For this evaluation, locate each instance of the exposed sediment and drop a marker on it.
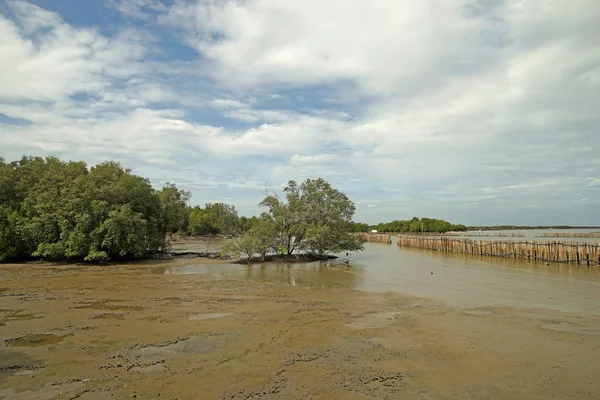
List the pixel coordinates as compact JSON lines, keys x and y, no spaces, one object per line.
{"x":128,"y":332}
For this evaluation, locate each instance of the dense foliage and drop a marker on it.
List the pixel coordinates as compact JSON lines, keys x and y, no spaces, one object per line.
{"x":63,"y":210}
{"x":417,"y":225}
{"x":214,"y":218}
{"x":315,"y":219}
{"x":360,"y":227}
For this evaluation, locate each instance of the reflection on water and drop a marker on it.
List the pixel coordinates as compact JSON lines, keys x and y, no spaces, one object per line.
{"x":452,"y":278}
{"x":313,"y":275}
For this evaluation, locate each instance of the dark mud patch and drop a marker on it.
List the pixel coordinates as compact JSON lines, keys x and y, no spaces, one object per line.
{"x":272,"y":390}
{"x":369,"y":382}
{"x":106,"y":305}
{"x":108,"y":316}
{"x":34,"y":340}
{"x":149,"y":358}
{"x":17,"y":363}
{"x":18,"y":316}
{"x":155,"y":318}
{"x":304,"y":357}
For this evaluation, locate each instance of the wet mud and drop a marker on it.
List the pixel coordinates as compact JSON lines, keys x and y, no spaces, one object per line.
{"x":126,"y":332}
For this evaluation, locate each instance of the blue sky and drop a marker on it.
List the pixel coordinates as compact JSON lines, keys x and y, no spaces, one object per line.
{"x":474,"y":111}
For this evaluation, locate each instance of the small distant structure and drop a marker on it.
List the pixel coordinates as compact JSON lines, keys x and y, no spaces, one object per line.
{"x":374,"y":231}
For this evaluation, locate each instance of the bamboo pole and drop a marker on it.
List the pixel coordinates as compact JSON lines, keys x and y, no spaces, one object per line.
{"x":554,"y":251}
{"x":376,"y":237}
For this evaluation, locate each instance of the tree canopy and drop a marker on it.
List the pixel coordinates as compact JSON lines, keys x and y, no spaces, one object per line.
{"x":63,"y":210}
{"x":314,"y":218}
{"x":418,"y":225}
{"x":215,"y":218}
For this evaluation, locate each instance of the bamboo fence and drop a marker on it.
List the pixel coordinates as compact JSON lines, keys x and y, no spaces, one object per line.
{"x":551,"y":251}
{"x":376,"y":237}
{"x":575,"y":235}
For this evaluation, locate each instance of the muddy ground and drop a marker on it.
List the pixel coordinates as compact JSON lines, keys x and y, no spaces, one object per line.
{"x":120,"y":332}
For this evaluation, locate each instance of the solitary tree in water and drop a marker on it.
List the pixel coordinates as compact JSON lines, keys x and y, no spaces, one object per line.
{"x":315,"y":218}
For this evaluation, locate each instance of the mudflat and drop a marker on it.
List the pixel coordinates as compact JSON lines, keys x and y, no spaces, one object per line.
{"x":91,"y":332}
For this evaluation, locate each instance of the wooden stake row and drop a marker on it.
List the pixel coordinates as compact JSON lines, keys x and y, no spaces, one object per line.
{"x":376,"y":237}
{"x":554,"y":251}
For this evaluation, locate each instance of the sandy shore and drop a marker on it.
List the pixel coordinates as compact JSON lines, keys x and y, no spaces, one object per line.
{"x":125,"y":332}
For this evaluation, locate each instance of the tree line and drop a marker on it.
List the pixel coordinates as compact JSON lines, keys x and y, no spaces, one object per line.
{"x":414,"y":225}
{"x":527,"y":227}
{"x":66,"y":211}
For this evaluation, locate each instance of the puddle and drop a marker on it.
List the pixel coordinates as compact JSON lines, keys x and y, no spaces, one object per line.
{"x":199,"y":317}
{"x":161,"y":352}
{"x":17,"y":363}
{"x":105,"y":305}
{"x":477,"y":313}
{"x":34,"y":340}
{"x":154,"y":318}
{"x":108,"y":316}
{"x":376,"y":320}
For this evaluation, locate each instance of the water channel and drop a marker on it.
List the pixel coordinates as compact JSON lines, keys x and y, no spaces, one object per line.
{"x":454,"y":279}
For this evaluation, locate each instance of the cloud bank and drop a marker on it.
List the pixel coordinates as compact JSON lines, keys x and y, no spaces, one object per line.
{"x":478,"y":111}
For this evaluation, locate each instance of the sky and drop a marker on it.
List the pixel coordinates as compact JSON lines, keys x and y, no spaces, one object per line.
{"x":475,"y":111}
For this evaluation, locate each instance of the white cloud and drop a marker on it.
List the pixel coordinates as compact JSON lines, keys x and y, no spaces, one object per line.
{"x":316,"y":41}
{"x":471,"y":109}
{"x":32,"y":18}
{"x":227,"y":103}
{"x":137,"y":8}
{"x":63,"y":61}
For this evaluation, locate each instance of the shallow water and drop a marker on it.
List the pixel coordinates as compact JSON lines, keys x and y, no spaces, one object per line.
{"x":454,"y":279}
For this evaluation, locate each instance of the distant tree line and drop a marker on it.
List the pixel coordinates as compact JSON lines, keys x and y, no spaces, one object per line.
{"x":511,"y":227}
{"x":66,"y":211}
{"x":414,"y":225}
{"x":360,"y":227}
{"x":215,"y":219}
